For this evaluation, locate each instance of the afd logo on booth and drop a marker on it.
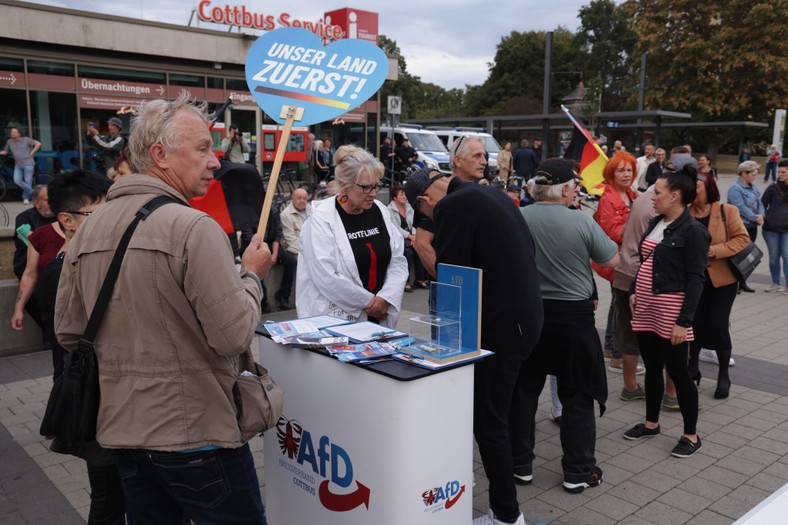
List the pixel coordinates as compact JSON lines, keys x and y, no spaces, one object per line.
{"x":290,"y":66}
{"x":442,"y":497}
{"x":309,"y":458}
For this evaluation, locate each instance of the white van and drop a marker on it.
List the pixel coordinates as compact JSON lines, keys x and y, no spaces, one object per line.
{"x":491,"y":146}
{"x":430,"y":151}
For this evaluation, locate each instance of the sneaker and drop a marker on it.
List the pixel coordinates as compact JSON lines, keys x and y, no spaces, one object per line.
{"x":616,"y":365}
{"x":594,"y":479}
{"x":640,"y":431}
{"x":710,"y":356}
{"x":638,"y":394}
{"x":26,"y":201}
{"x":685,"y":448}
{"x":489,"y":519}
{"x":523,"y":475}
{"x":774,"y":288}
{"x":670,"y":403}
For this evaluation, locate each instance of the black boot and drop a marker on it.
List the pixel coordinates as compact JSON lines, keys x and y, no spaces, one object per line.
{"x":692,"y":366}
{"x":743,"y":286}
{"x":723,"y":380}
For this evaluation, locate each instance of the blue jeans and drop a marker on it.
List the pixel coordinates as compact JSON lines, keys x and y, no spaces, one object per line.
{"x":777,"y":243}
{"x":771,"y":172}
{"x":23,"y":177}
{"x":213,"y":487}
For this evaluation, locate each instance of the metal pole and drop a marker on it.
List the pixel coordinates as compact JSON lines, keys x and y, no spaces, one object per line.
{"x":641,"y":101}
{"x":547,"y":92}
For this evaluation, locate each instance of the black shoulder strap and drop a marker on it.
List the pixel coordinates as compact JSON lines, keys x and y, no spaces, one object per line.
{"x":89,"y":337}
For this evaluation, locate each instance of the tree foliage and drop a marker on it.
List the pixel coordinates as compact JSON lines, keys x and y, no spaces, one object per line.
{"x":607,"y":37}
{"x":717,"y":60}
{"x":516,"y":80}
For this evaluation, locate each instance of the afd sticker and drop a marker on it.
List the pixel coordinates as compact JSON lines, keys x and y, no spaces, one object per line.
{"x":320,"y":467}
{"x":290,"y":66}
{"x":442,"y":497}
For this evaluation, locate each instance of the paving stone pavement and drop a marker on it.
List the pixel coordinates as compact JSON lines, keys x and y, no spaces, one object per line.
{"x":743,"y":460}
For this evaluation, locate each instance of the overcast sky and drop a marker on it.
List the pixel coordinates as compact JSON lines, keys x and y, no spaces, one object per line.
{"x":446,"y":42}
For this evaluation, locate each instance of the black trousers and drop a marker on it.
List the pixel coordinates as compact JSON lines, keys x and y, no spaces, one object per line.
{"x":289,"y":263}
{"x":657,"y":352}
{"x":497,"y":415}
{"x":107,"y":504}
{"x":568,"y":348}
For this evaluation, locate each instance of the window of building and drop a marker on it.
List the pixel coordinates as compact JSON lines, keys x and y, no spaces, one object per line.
{"x":11,"y":64}
{"x":13,"y":113}
{"x":50,"y":68}
{"x":187,"y":80}
{"x":55,"y":126}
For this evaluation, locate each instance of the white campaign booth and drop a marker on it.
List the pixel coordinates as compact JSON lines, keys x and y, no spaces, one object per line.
{"x":387,"y":443}
{"x":771,"y":511}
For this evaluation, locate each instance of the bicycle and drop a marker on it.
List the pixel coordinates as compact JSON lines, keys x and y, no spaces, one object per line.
{"x":6,"y":176}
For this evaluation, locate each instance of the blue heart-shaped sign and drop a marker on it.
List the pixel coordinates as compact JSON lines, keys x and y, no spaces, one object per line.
{"x":290,"y":66}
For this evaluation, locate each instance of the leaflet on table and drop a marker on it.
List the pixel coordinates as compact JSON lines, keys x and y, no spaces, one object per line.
{"x":431,"y":365}
{"x":279,"y":331}
{"x":360,"y":352}
{"x":316,"y":339}
{"x":365,"y":332}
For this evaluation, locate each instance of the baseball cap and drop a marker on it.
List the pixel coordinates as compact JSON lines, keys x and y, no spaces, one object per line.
{"x":418,"y":182}
{"x":513,"y":188}
{"x":555,"y":171}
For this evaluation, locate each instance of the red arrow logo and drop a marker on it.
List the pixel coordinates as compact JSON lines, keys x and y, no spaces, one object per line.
{"x":344,"y":502}
{"x":451,"y":501}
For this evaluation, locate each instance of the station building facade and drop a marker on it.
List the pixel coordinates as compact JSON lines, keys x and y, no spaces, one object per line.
{"x":62,"y":68}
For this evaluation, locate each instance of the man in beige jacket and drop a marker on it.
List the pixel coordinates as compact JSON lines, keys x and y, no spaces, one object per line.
{"x":179,"y":317}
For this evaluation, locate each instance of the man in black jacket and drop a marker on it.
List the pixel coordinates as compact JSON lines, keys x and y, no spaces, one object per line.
{"x":525,"y":161}
{"x":468,"y":232}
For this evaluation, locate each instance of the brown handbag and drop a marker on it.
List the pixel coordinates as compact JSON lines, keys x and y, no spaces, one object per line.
{"x":258,"y":399}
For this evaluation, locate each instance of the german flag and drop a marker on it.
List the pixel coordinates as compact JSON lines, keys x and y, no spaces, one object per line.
{"x":584,"y":149}
{"x":234,"y":198}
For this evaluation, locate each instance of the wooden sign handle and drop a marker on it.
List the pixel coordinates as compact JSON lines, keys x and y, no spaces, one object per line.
{"x":290,"y":114}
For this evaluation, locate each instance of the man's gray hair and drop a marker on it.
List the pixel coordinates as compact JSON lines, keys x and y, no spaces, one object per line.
{"x":36,"y":192}
{"x":748,"y":165}
{"x":543,"y":192}
{"x":154,"y":123}
{"x":351,"y":162}
{"x":459,"y":148}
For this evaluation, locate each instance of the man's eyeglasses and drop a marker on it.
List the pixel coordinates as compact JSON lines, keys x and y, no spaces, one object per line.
{"x":83,"y":213}
{"x":369,"y":188}
{"x":457,"y":147}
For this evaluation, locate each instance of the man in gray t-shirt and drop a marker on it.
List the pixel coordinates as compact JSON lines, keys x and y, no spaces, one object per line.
{"x":23,"y":149}
{"x":569,"y":348}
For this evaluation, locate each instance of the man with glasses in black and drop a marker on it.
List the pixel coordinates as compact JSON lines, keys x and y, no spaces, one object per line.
{"x":468,"y":219}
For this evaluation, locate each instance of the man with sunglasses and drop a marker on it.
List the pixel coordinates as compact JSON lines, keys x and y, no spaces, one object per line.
{"x":468,"y":232}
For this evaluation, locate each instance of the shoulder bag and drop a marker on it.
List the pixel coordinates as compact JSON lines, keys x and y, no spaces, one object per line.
{"x":744,"y":262}
{"x":258,"y":399}
{"x":72,"y":408}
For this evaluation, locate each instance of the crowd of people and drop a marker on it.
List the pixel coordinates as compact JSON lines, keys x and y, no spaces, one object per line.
{"x":661,"y":236}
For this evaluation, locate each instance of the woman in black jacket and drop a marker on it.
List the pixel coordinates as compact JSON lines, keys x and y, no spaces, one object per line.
{"x":674,"y":253}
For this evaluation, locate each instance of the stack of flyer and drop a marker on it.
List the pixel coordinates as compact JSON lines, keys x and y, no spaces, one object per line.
{"x":307,"y":332}
{"x":362,"y":353}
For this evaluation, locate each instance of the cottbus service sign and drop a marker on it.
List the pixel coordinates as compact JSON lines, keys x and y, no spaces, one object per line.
{"x":334,"y":25}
